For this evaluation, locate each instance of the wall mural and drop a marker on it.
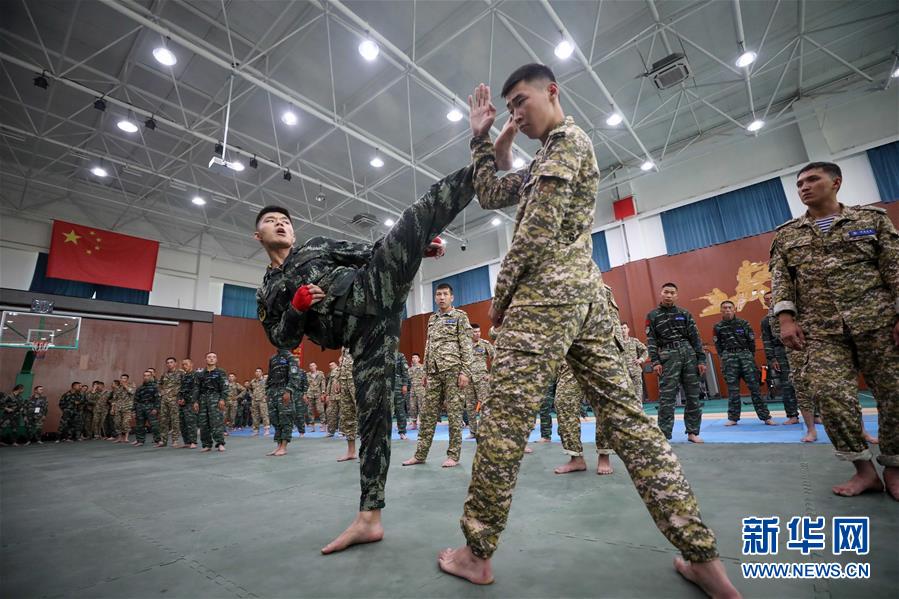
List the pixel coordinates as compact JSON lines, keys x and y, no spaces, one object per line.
{"x":753,"y":282}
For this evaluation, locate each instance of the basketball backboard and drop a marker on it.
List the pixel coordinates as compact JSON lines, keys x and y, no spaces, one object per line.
{"x":29,"y":329}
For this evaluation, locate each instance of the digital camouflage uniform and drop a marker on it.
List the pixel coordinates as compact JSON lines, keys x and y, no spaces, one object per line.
{"x":88,"y":407}
{"x":259,"y":406}
{"x":9,"y":417}
{"x":318,"y":386}
{"x":673,"y":341}
{"x":284,"y":376}
{"x":448,"y":354}
{"x":146,"y":411}
{"x":187,"y":397}
{"x":347,"y":397}
{"x":101,"y":410}
{"x":36,"y":413}
{"x":476,"y":392}
{"x":634,"y":351}
{"x":843,"y":289}
{"x":400,"y":380}
{"x":366,"y":288}
{"x":776,"y":353}
{"x":169,"y":412}
{"x":545,"y":411}
{"x":123,"y":404}
{"x":212,"y":388}
{"x":416,"y":391}
{"x":333,"y":407}
{"x":234,"y":391}
{"x":735,"y":342}
{"x":550,"y":293}
{"x":70,"y":420}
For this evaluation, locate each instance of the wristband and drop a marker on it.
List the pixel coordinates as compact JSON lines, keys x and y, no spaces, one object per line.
{"x":302,"y":299}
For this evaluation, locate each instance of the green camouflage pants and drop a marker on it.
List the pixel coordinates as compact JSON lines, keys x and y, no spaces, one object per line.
{"x":568,"y":411}
{"x":546,"y":417}
{"x":212,"y":421}
{"x":35,"y":427}
{"x":737,"y":365}
{"x":637,"y":379}
{"x":146,"y":415}
{"x":169,"y":420}
{"x":188,"y":423}
{"x":679,"y":368}
{"x":231,"y":411}
{"x":442,"y":387}
{"x":475,"y":394}
{"x":399,"y":411}
{"x":333,"y":413}
{"x":70,"y":425}
{"x":784,"y":381}
{"x":282,"y":418}
{"x":100,"y":413}
{"x":529,"y":350}
{"x":260,"y":414}
{"x":122,"y":418}
{"x":416,"y":400}
{"x":348,"y":420}
{"x":299,"y":414}
{"x":831,"y":376}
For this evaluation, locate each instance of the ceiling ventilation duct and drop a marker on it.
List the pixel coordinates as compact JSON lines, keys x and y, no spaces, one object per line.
{"x":670,"y":71}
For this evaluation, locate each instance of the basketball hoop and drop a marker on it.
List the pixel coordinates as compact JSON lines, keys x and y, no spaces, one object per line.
{"x":40,"y":349}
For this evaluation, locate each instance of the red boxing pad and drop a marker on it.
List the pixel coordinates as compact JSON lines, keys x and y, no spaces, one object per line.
{"x":302,"y":299}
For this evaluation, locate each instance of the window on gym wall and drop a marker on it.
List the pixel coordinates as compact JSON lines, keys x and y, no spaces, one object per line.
{"x":468,"y":287}
{"x":740,"y":213}
{"x":601,"y":251}
{"x":238,"y":301}
{"x":885,"y":164}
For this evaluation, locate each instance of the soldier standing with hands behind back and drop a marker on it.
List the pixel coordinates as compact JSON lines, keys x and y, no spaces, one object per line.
{"x":678,"y":359}
{"x":209,"y":399}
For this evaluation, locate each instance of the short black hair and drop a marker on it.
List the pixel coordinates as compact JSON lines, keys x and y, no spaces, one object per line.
{"x":475,"y":325}
{"x":211,"y":352}
{"x":36,"y":387}
{"x":527,"y":73}
{"x":828,"y":167}
{"x":97,"y":383}
{"x":669,"y":285}
{"x":151,"y":369}
{"x":76,"y":383}
{"x":18,"y":387}
{"x":416,"y":354}
{"x":147,"y":371}
{"x":124,"y":375}
{"x":271,"y":208}
{"x":232,"y":372}
{"x":258,"y":368}
{"x":728,"y":302}
{"x":171,"y":358}
{"x":445,"y":286}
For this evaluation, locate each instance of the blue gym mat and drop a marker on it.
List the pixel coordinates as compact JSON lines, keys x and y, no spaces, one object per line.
{"x":749,"y":430}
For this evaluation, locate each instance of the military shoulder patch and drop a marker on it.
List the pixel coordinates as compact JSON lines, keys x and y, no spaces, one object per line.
{"x":869,"y":232}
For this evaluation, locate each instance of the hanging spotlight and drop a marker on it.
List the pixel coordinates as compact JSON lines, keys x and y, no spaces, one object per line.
{"x":895,"y":74}
{"x":320,"y":196}
{"x":376,"y":162}
{"x":746,"y":58}
{"x":755,"y":125}
{"x":614,"y":119}
{"x":518,"y":162}
{"x":236,"y":165}
{"x":41,"y":81}
{"x":198,"y":201}
{"x":455,"y":115}
{"x":100,"y":104}
{"x":389,"y":222}
{"x":564,"y":49}
{"x":219,"y":148}
{"x":150,"y":124}
{"x":99,"y":171}
{"x":289,"y":118}
{"x":369,"y":50}
{"x":495,"y":221}
{"x":165,"y":56}
{"x":647,"y":166}
{"x":287,"y":175}
{"x":253,"y":162}
{"x":127,"y":126}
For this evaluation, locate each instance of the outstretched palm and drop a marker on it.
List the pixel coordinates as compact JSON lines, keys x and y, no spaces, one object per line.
{"x":482,"y":111}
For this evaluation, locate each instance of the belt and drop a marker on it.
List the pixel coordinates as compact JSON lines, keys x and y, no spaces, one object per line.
{"x":675,"y":344}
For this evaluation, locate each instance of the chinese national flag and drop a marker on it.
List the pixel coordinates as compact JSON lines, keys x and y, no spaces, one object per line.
{"x":93,"y":255}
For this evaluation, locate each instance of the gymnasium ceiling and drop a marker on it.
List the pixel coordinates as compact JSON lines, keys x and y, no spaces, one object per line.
{"x":303,"y":56}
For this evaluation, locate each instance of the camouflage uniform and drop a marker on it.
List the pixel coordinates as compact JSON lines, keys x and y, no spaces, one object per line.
{"x":9,"y":417}
{"x":400,"y":380}
{"x":776,"y":352}
{"x":634,"y":350}
{"x":843,"y":288}
{"x":87,"y":413}
{"x":448,"y":354}
{"x":70,"y":422}
{"x":317,"y":387}
{"x":550,"y":293}
{"x":212,"y":387}
{"x":259,"y":406}
{"x":416,"y":391}
{"x":284,"y":376}
{"x":545,"y":412}
{"x":332,"y":409}
{"x":674,"y":342}
{"x":366,"y":288}
{"x":123,"y":402}
{"x":234,"y":391}
{"x":476,"y":392}
{"x":347,"y":397}
{"x":735,"y":342}
{"x":568,"y":406}
{"x":169,"y":414}
{"x":34,"y":420}
{"x":146,"y":411}
{"x":101,"y":410}
{"x":187,"y":393}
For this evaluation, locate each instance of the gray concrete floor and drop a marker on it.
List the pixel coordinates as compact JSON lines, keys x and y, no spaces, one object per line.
{"x":94,"y":519}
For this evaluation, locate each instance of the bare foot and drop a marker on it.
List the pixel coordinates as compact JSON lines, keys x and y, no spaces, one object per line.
{"x":192,"y":446}
{"x":272,"y":452}
{"x":347,"y":457}
{"x":279,"y":452}
{"x":818,"y":420}
{"x":891,"y":480}
{"x":709,"y":576}
{"x":793,"y":420}
{"x":770,"y":422}
{"x":403,"y":436}
{"x":366,"y":528}
{"x":730,"y":423}
{"x":810,"y":437}
{"x":221,"y":448}
{"x":413,"y":462}
{"x":872,"y":439}
{"x":414,"y":427}
{"x":528,"y":449}
{"x":544,"y":440}
{"x":463,"y":563}
{"x":863,"y":481}
{"x":449,"y":463}
{"x":604,"y":465}
{"x":255,"y":434}
{"x":205,"y":449}
{"x":575,"y":464}
{"x":695,"y":438}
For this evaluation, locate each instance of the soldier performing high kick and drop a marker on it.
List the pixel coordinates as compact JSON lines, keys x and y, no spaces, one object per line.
{"x":346,"y":294}
{"x":550,"y":302}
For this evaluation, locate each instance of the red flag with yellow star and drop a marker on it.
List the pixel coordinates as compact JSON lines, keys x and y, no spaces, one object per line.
{"x":92,"y":255}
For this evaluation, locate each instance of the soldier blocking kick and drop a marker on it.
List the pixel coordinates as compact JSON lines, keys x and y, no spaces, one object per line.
{"x":549,"y":300}
{"x":345,"y":294}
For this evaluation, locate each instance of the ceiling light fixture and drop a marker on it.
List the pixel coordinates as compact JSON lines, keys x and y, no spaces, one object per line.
{"x":165,"y":56}
{"x":647,"y":166}
{"x":289,"y":118}
{"x":564,"y":49}
{"x":127,"y":126}
{"x":518,"y":162}
{"x":455,"y":115}
{"x":746,"y":58}
{"x":236,"y":165}
{"x":896,"y":74}
{"x":198,"y":201}
{"x":100,"y":104}
{"x":41,"y":81}
{"x":389,"y":222}
{"x":369,"y":50}
{"x":376,"y":162}
{"x":496,"y":221}
{"x":99,"y":171}
{"x":755,"y":125}
{"x":150,"y":124}
{"x":614,"y":119}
